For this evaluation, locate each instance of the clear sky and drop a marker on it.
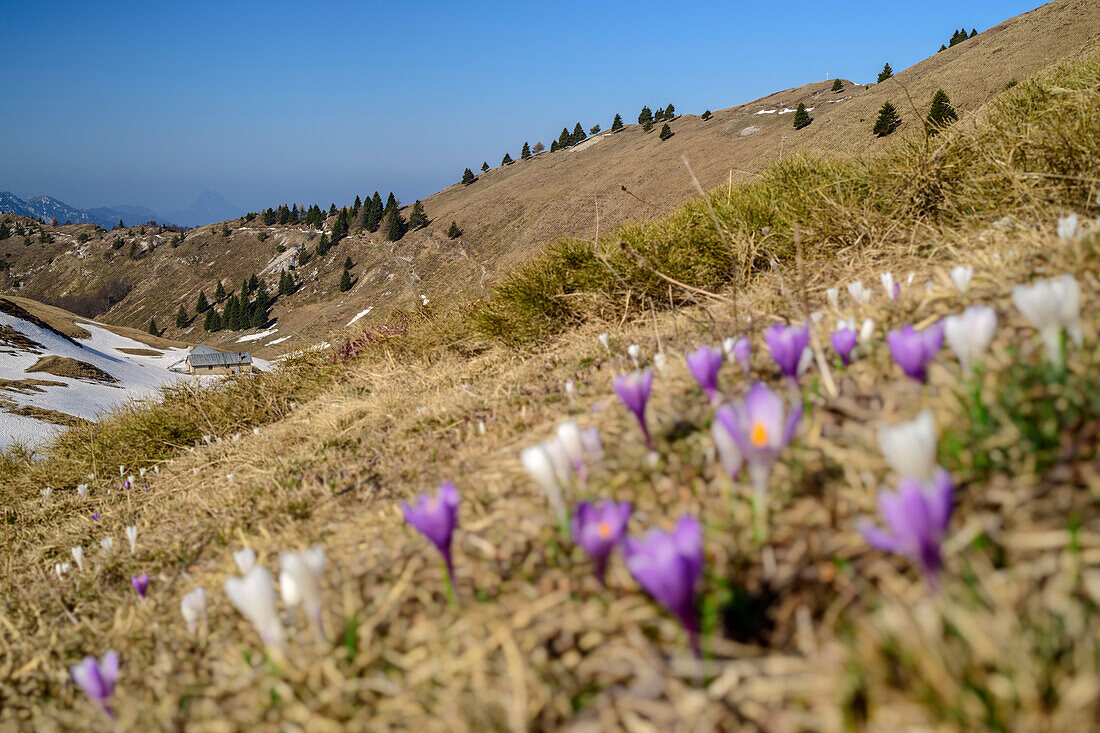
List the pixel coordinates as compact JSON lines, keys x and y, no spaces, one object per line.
{"x":149,"y":103}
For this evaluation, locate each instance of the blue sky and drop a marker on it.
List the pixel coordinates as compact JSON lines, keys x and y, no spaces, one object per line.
{"x":149,"y":103}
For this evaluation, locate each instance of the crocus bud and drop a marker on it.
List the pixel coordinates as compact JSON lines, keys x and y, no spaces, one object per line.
{"x":46,"y":493}
{"x":892,"y":288}
{"x":961,"y":276}
{"x":193,"y":609}
{"x":914,"y":350}
{"x":131,"y":535}
{"x":78,"y":556}
{"x":245,"y":559}
{"x":82,"y":490}
{"x":833,"y":294}
{"x":140,"y":583}
{"x":107,"y":543}
{"x":539,"y":466}
{"x":634,"y":352}
{"x":1068,"y":227}
{"x":704,"y":364}
{"x":306,"y":570}
{"x":436,"y":517}
{"x":255,"y":598}
{"x":843,"y":341}
{"x":633,"y":390}
{"x":605,"y":342}
{"x":788,"y":345}
{"x":910,"y":447}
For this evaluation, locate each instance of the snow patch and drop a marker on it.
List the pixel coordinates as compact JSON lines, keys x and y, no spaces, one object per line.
{"x":258,"y":336}
{"x":359,"y":315}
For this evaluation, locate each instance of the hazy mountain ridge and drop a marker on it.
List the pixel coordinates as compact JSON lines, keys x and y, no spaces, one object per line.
{"x":208,"y":207}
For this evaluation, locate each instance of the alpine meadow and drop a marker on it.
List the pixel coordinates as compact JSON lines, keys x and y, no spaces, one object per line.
{"x":779,"y":416}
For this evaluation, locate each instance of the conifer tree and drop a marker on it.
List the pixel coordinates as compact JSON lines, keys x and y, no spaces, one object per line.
{"x":418,"y":218}
{"x":942,"y":48}
{"x":485,"y":166}
{"x":646,"y":115}
{"x":885,"y":74}
{"x":888,"y":120}
{"x":666,"y":132}
{"x":181,"y":318}
{"x":563,"y":138}
{"x":219,"y":292}
{"x":648,"y":125}
{"x":356,"y":205}
{"x":659,"y":115}
{"x":506,"y":160}
{"x":201,"y":305}
{"x":707,"y":115}
{"x":258,"y":308}
{"x":578,"y":135}
{"x":322,"y":246}
{"x":294,"y":214}
{"x":395,"y":225}
{"x":617,"y":123}
{"x":468,"y":177}
{"x":837,"y":86}
{"x":391,"y":203}
{"x":120,"y":225}
{"x":253,"y":283}
{"x":553,"y":145}
{"x":670,"y":112}
{"x":153,"y":326}
{"x":973,"y":32}
{"x":348,"y":264}
{"x":345,"y":281}
{"x":331,"y":209}
{"x":4,"y":231}
{"x":941,"y":113}
{"x":595,"y":129}
{"x":526,"y":152}
{"x":372,"y":214}
{"x":454,"y":232}
{"x":801,"y":117}
{"x":212,"y":321}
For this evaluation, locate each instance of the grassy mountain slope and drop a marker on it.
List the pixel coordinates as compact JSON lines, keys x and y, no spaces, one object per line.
{"x":511,"y":212}
{"x":806,"y":629}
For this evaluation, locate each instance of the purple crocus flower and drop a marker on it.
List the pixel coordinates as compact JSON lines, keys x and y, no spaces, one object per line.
{"x":633,"y":390}
{"x":435,"y":517}
{"x":916,"y":518}
{"x":97,"y":679}
{"x":704,"y":364}
{"x":844,"y":340}
{"x":787,"y":344}
{"x":668,"y":566}
{"x":739,"y":348}
{"x":761,"y":428}
{"x":914,"y":350}
{"x":140,"y":583}
{"x":95,"y":517}
{"x":597,"y":529}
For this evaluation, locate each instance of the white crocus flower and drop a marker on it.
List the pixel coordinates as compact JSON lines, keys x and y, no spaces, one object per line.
{"x":78,"y":555}
{"x":804,"y":360}
{"x":816,"y":316}
{"x":569,"y":435}
{"x":867,"y":330}
{"x":1052,"y":305}
{"x":833,"y":294}
{"x":193,"y":609}
{"x":107,"y":543}
{"x":661,"y":362}
{"x":122,"y":470}
{"x":889,"y":285}
{"x":82,"y":490}
{"x":254,"y":596}
{"x":245,"y":559}
{"x":305,"y":570}
{"x":131,"y":536}
{"x":539,"y":466}
{"x":859,"y":293}
{"x":141,"y":472}
{"x":46,"y":493}
{"x":970,"y":333}
{"x":634,"y":352}
{"x":962,"y":275}
{"x":1068,"y":227}
{"x":61,"y":568}
{"x":909,"y":279}
{"x":910,"y":447}
{"x":605,"y":342}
